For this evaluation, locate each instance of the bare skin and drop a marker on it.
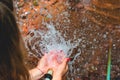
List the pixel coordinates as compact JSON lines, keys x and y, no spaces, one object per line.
{"x":43,"y":67}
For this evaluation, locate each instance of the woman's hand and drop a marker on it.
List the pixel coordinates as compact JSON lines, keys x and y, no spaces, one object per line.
{"x":40,"y":70}
{"x":60,"y":70}
{"x":43,"y":64}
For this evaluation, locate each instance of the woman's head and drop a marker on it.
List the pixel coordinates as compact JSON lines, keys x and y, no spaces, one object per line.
{"x":11,"y":60}
{"x":8,"y":3}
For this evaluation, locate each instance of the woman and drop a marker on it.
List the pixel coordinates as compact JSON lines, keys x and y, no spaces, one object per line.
{"x":11,"y":53}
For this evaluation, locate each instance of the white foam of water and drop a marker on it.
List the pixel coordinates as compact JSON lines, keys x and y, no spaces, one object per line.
{"x":52,"y":39}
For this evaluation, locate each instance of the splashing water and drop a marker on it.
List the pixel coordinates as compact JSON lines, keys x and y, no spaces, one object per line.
{"x":51,"y":40}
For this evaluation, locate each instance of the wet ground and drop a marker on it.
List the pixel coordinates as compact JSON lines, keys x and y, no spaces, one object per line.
{"x":94,"y":22}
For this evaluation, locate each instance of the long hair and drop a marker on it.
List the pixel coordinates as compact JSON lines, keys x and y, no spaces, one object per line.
{"x":8,"y":3}
{"x":11,"y":59}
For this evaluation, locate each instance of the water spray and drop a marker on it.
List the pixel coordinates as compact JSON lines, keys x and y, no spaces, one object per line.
{"x":49,"y":74}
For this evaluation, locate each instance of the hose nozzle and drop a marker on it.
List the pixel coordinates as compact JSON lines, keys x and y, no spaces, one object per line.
{"x":49,"y":76}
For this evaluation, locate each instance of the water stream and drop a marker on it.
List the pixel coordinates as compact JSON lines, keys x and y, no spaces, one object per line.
{"x":51,"y":39}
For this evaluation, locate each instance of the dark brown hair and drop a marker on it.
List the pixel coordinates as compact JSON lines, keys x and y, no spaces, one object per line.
{"x":8,"y":3}
{"x":11,"y":59}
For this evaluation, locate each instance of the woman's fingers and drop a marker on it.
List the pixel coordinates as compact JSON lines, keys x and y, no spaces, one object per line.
{"x":65,"y":61}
